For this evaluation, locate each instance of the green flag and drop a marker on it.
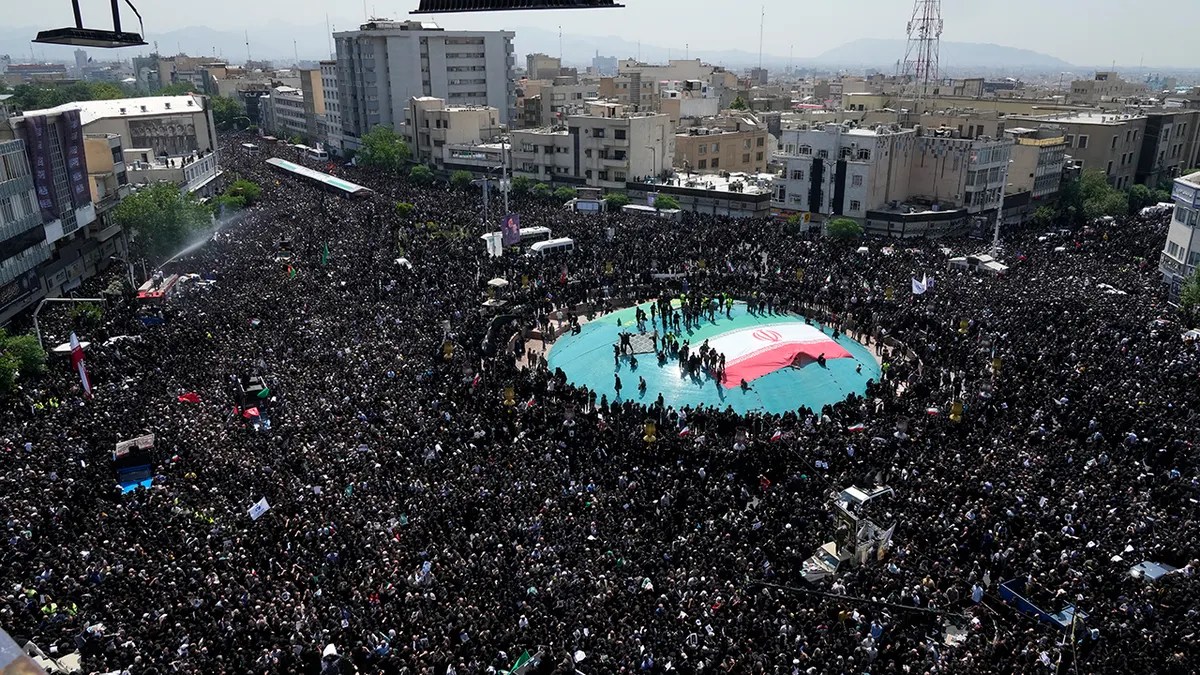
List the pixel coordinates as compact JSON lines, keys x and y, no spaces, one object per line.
{"x":264,"y":393}
{"x":325,"y":255}
{"x":525,"y":658}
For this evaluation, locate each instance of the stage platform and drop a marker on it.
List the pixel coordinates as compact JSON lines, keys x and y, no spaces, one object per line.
{"x":775,"y":354}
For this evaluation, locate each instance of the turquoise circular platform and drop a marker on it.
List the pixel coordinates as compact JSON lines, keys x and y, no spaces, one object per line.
{"x":774,"y":353}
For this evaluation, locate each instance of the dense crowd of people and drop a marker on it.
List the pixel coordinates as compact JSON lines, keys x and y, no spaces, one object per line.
{"x":440,"y":506}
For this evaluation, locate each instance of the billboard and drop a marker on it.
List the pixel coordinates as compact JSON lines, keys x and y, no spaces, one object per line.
{"x":510,"y":229}
{"x":77,"y":174}
{"x":37,"y":146}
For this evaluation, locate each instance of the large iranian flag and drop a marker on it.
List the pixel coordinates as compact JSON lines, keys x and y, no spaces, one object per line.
{"x":751,"y":353}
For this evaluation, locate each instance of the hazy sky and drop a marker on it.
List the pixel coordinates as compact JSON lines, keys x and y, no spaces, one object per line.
{"x":1156,"y":32}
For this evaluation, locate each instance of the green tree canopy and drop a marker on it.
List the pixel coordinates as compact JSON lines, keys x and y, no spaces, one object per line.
{"x":162,"y":219}
{"x":739,"y":103}
{"x":521,"y":185}
{"x":461,"y":180}
{"x":616,"y":200}
{"x":1189,"y":299}
{"x":247,"y":190}
{"x":404,"y":209}
{"x":226,"y":112}
{"x":564,"y":194}
{"x":40,"y":95}
{"x":421,"y":175}
{"x":382,"y":148}
{"x":541,"y":191}
{"x":29,"y":356}
{"x":665,"y":202}
{"x":844,"y":229}
{"x":177,"y":89}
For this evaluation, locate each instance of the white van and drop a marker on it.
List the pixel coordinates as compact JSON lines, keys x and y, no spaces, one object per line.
{"x":565,"y":244}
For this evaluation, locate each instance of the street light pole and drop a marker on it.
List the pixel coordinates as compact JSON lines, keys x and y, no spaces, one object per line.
{"x":1000,"y":211}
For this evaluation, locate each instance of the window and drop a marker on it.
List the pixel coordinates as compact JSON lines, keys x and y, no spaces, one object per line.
{"x":1110,"y":167}
{"x":1114,"y":143}
{"x":716,"y":163}
{"x":703,"y":164}
{"x":797,"y":174}
{"x":804,"y":149}
{"x":1082,"y":142}
{"x":746,"y":158}
{"x":855,"y":205}
{"x":1172,"y":249}
{"x":758,"y":156}
{"x":759,"y":142}
{"x":746,"y":144}
{"x":619,"y":176}
{"x":619,"y":134}
{"x":1194,"y":258}
{"x":1070,"y":140}
{"x":864,"y":154}
{"x":702,"y":148}
{"x":598,"y":132}
{"x":1135,"y":135}
{"x":856,"y":181}
{"x":716,"y":147}
{"x":821,"y":154}
{"x":604,"y":175}
{"x":1128,"y":133}
{"x":6,"y":210}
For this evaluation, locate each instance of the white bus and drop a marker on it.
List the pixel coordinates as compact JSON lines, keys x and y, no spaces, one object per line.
{"x":564,"y":244}
{"x":317,"y":154}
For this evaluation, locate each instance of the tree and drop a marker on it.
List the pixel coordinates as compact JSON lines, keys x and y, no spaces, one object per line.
{"x":9,"y":368}
{"x":521,"y":185}
{"x":844,"y":229}
{"x":739,"y":103}
{"x":226,"y":111}
{"x":1044,"y":216}
{"x":662,"y":202}
{"x":1189,"y":298}
{"x":382,"y":148}
{"x":564,"y":194}
{"x":404,"y":209}
{"x":249,"y":191}
{"x":162,"y":219}
{"x":421,"y":175}
{"x":1139,"y":197}
{"x":227,"y":203}
{"x":615,"y":200}
{"x":461,"y":180}
{"x":30,"y":357}
{"x":541,"y":191}
{"x":177,"y":89}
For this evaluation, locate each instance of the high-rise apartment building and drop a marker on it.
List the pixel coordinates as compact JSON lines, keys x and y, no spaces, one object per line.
{"x":22,"y":240}
{"x":385,"y":64}
{"x":1181,"y":253}
{"x":331,"y":125}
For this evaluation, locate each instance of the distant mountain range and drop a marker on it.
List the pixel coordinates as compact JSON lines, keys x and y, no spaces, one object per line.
{"x":878,"y":53}
{"x":283,"y":44}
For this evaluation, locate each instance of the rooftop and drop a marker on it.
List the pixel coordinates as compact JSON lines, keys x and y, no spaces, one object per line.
{"x":1083,"y":117}
{"x":146,"y":106}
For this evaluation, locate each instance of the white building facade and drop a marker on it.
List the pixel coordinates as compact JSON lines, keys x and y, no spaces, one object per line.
{"x":837,"y":170}
{"x":385,"y":64}
{"x":331,"y":123}
{"x":1181,"y":252}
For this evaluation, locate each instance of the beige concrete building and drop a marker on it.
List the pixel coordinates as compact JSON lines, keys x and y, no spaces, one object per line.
{"x":547,"y":103}
{"x":605,"y":148}
{"x":1104,"y":87}
{"x":542,"y":66}
{"x":1038,"y":159}
{"x":313,"y":91}
{"x":1171,"y":145}
{"x":441,"y":135}
{"x":1110,"y":142}
{"x":734,"y":143}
